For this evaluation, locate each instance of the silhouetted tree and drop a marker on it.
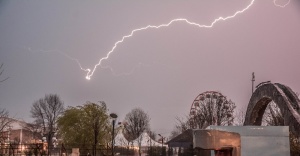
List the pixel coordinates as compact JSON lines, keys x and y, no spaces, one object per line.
{"x":5,"y":122}
{"x":4,"y":117}
{"x":181,"y":125}
{"x":1,"y":72}
{"x":46,"y":111}
{"x":151,"y":134}
{"x":136,"y":122}
{"x":239,"y":118}
{"x":34,"y":128}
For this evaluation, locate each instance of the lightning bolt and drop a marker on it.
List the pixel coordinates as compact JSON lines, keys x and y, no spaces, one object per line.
{"x":61,"y":53}
{"x":91,"y":72}
{"x":87,"y":69}
{"x":279,"y":5}
{"x":126,"y":73}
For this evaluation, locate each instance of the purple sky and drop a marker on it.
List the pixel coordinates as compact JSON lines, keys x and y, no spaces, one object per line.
{"x":172,"y":65}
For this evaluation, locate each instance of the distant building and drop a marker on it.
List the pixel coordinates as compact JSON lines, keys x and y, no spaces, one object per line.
{"x":17,"y":137}
{"x":19,"y":132}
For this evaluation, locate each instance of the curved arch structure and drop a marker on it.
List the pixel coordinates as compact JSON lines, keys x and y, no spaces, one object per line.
{"x":283,"y":96}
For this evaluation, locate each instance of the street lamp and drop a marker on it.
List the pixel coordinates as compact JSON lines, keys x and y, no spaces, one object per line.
{"x":114,"y":117}
{"x":162,"y":143}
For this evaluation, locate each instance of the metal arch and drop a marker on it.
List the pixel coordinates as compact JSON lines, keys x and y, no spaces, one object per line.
{"x":283,"y":96}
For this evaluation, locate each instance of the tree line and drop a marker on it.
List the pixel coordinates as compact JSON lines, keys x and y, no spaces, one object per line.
{"x":89,"y":126}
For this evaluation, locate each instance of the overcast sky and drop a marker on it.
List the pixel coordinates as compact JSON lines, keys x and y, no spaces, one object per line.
{"x":159,"y":70}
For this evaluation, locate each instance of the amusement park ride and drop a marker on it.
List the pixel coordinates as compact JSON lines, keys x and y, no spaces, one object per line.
{"x":252,"y":139}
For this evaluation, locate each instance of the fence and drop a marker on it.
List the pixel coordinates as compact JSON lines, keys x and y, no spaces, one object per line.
{"x":41,"y":149}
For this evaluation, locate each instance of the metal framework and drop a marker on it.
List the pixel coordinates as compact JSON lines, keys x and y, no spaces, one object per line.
{"x":211,"y":98}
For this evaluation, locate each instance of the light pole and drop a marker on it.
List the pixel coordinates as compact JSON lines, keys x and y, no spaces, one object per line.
{"x":162,"y":143}
{"x":114,"y":117}
{"x":253,"y":79}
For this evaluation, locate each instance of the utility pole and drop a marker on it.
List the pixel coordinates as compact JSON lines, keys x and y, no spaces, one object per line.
{"x":253,"y":79}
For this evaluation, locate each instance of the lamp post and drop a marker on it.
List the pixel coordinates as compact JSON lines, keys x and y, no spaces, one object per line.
{"x":114,"y":117}
{"x":253,"y":79}
{"x":162,"y":143}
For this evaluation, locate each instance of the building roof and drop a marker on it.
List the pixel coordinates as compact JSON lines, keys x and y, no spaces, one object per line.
{"x":185,"y":139}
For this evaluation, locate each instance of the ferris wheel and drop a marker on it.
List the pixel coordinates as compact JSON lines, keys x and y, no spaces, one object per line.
{"x":210,"y":108}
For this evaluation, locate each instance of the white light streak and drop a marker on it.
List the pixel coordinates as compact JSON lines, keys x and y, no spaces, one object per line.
{"x":62,"y":53}
{"x":140,"y":65}
{"x":91,"y":72}
{"x":280,"y":5}
{"x":87,"y":69}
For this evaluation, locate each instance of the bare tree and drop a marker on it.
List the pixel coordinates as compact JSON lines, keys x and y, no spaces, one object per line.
{"x":239,"y":117}
{"x":5,"y":122}
{"x":152,"y":134}
{"x":174,"y":133}
{"x":46,"y":111}
{"x":1,"y":72}
{"x":181,"y":125}
{"x":136,"y":122}
{"x":34,"y":128}
{"x":4,"y":117}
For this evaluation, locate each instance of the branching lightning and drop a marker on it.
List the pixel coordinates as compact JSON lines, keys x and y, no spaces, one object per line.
{"x":60,"y":52}
{"x":126,"y":73}
{"x":87,"y":69}
{"x":90,"y":72}
{"x":281,"y":5}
